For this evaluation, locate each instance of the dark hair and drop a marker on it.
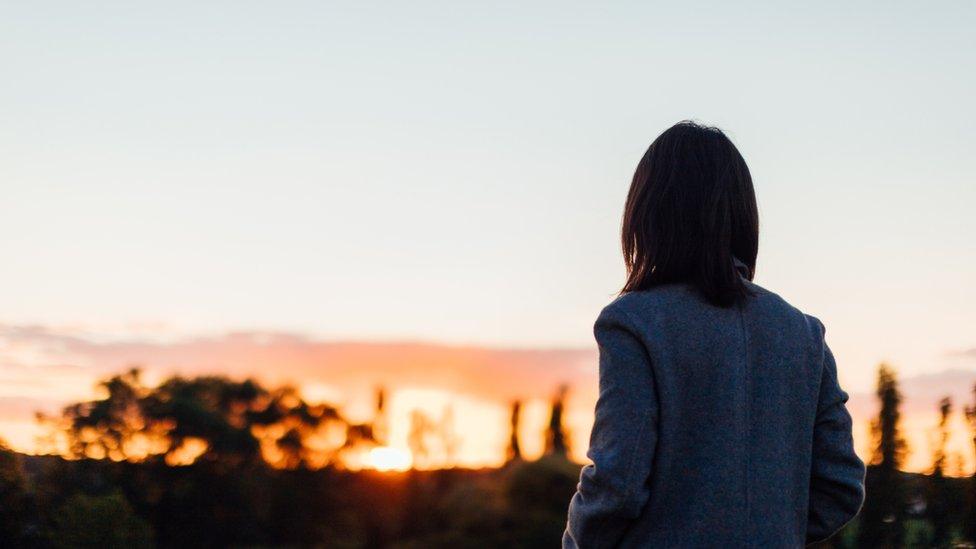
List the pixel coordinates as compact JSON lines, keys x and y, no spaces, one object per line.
{"x":691,"y":212}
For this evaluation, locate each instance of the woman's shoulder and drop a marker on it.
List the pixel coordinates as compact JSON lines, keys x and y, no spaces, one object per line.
{"x":775,"y":309}
{"x":657,"y":304}
{"x":663,"y":295}
{"x":668,"y":302}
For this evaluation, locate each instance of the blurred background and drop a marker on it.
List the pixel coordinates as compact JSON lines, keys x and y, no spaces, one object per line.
{"x":325,"y":274}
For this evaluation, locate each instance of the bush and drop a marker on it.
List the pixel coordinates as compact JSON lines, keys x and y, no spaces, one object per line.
{"x":105,"y":521}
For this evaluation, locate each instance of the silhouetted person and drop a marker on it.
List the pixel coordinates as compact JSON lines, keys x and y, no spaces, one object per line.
{"x":720,"y":421}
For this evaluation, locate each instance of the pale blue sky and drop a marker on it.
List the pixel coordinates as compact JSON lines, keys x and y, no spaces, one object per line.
{"x":455,"y":172}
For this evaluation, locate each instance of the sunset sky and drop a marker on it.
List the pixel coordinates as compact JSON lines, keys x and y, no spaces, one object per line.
{"x":440,"y":186}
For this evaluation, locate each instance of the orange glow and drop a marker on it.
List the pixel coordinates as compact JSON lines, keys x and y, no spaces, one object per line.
{"x":384,"y":458}
{"x":446,"y":406}
{"x":186,"y":454}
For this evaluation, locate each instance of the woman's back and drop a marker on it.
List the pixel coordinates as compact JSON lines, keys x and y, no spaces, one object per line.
{"x":720,"y":421}
{"x":716,"y":427}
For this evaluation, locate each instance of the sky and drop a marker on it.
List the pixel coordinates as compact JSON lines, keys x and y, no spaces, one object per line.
{"x":454,"y":173}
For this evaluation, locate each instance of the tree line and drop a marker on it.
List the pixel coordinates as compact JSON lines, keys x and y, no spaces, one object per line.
{"x":912,"y":510}
{"x":210,"y":462}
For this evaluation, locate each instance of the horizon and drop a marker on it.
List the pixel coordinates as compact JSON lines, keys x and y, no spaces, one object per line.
{"x":475,"y":385}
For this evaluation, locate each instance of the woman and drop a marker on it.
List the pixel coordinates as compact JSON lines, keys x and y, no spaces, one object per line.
{"x":720,"y":421}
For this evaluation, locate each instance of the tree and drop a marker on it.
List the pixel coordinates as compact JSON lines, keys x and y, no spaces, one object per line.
{"x":14,"y":512}
{"x":380,"y":426}
{"x":514,"y":452}
{"x":432,"y":443}
{"x":938,"y":510}
{"x":557,"y":441}
{"x":370,"y":434}
{"x":537,"y":493}
{"x":106,"y":427}
{"x":420,"y":430}
{"x":206,"y":418}
{"x":969,"y":525}
{"x":99,"y":521}
{"x":450,"y":441}
{"x":883,"y":514}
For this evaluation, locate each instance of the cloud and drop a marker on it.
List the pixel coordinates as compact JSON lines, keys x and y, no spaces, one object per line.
{"x":922,"y":393}
{"x":36,"y":358}
{"x":965,"y":353}
{"x":55,"y":365}
{"x":24,"y":408}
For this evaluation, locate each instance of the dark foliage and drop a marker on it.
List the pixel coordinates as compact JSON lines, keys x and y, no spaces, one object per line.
{"x":234,"y":495}
{"x":882,"y":519}
{"x":557,"y":440}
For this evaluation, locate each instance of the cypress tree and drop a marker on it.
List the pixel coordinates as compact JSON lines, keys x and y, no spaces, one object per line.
{"x":938,"y":508}
{"x":514,"y":449}
{"x":557,"y":441}
{"x":883,"y":516}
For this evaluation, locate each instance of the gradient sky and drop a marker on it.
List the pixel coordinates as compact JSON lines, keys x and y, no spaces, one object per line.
{"x":456,"y":172}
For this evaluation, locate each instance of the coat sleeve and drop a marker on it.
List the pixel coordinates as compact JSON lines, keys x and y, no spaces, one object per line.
{"x":613,"y":490}
{"x":836,"y":473}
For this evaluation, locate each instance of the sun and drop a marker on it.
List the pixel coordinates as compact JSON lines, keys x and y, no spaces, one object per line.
{"x":384,"y":458}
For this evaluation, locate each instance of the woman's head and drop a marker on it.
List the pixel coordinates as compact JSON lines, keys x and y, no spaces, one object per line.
{"x":691,"y":209}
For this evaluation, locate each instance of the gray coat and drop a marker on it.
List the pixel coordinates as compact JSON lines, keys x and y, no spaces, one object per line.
{"x":714,"y":428}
